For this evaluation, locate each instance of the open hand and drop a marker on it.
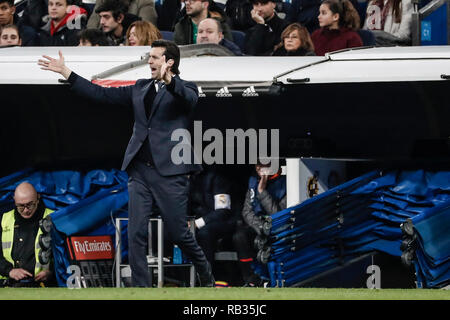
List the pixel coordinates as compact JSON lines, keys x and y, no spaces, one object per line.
{"x":166,"y":72}
{"x":55,"y":65}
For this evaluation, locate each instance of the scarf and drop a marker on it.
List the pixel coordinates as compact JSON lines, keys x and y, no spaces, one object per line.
{"x":385,"y":7}
{"x":74,"y":12}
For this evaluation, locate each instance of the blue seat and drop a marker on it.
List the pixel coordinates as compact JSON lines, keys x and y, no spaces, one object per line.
{"x":239,"y":38}
{"x":167,"y":35}
{"x":367,"y":37}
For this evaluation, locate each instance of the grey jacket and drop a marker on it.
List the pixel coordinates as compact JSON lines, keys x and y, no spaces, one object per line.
{"x":269,"y":205}
{"x":145,"y":9}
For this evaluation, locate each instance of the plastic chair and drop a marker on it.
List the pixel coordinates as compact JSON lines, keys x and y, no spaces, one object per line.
{"x":167,"y":35}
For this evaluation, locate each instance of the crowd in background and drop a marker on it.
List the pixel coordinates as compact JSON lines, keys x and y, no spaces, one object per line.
{"x":244,"y":27}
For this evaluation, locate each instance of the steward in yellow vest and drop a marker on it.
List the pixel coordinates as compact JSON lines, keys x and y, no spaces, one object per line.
{"x":25,"y":258}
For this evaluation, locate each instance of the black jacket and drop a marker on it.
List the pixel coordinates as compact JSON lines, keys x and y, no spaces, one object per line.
{"x":209,"y":192}
{"x":231,"y":46}
{"x":305,"y":12}
{"x":171,"y":110}
{"x":261,"y":39}
{"x":281,"y":52}
{"x":67,"y":35}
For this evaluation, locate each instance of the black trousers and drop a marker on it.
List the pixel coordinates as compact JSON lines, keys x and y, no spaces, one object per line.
{"x":147,"y":189}
{"x":209,"y":235}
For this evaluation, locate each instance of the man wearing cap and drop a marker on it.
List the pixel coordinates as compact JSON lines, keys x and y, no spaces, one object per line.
{"x":261,"y":39}
{"x":24,"y":259}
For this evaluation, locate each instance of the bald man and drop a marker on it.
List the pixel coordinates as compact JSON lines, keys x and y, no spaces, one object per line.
{"x":210,"y":31}
{"x":23,"y":261}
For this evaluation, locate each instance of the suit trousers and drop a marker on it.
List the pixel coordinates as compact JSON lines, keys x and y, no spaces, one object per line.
{"x":147,"y":189}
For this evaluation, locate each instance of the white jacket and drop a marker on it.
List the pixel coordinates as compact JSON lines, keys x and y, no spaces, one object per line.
{"x":400,"y":30}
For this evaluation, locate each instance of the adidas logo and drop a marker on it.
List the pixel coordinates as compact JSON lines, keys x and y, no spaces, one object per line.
{"x":223,"y":93}
{"x":201,"y":94}
{"x":250,"y":92}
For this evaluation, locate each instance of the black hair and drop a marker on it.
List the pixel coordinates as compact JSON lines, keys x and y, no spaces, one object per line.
{"x":10,"y":2}
{"x":117,"y":7}
{"x":94,"y":36}
{"x":171,"y":52}
{"x":262,"y":1}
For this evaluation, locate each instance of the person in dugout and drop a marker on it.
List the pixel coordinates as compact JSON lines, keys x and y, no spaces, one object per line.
{"x":25,"y":259}
{"x":265,"y":196}
{"x":211,"y":205}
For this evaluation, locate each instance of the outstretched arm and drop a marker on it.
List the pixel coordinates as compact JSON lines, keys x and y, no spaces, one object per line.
{"x":55,"y":65}
{"x":121,"y":95}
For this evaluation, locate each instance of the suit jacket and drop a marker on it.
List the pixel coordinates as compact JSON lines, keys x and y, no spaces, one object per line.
{"x":171,"y":110}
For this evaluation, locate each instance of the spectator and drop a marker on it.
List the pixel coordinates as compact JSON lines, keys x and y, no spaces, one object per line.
{"x":8,"y":16}
{"x":390,"y":21}
{"x":142,"y":33}
{"x":239,"y":13}
{"x":305,"y":12}
{"x":92,"y":38}
{"x":9,"y":36}
{"x":261,"y":39}
{"x":25,"y":245}
{"x":144,"y":9}
{"x":170,"y":13}
{"x":196,"y":10}
{"x":64,"y":22}
{"x":295,"y":41}
{"x":33,"y":13}
{"x":211,"y":204}
{"x":266,"y":195}
{"x":337,"y":19}
{"x":210,"y":31}
{"x":114,"y":21}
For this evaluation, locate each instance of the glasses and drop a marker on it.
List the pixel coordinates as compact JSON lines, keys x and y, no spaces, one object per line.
{"x":29,"y":206}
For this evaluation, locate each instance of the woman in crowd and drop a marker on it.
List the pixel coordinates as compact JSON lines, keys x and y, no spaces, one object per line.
{"x":390,"y":21}
{"x":142,"y":33}
{"x":9,"y":36}
{"x":338,"y":21}
{"x":295,"y":41}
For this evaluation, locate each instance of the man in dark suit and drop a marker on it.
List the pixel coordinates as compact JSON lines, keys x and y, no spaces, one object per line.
{"x":161,"y":105}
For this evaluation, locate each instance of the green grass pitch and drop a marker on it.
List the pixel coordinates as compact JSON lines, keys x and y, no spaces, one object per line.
{"x":234,"y":293}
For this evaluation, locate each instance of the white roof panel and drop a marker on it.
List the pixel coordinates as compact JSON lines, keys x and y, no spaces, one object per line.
{"x":19,"y":65}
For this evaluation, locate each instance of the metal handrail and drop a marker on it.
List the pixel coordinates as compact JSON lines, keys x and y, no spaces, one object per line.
{"x":419,"y":14}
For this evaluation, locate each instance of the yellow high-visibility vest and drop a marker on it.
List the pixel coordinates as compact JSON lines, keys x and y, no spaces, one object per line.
{"x":8,"y":237}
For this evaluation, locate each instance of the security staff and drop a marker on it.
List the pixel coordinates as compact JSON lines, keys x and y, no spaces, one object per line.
{"x":24,"y":259}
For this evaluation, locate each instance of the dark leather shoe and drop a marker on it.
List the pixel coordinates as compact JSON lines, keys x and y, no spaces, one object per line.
{"x":206,"y":277}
